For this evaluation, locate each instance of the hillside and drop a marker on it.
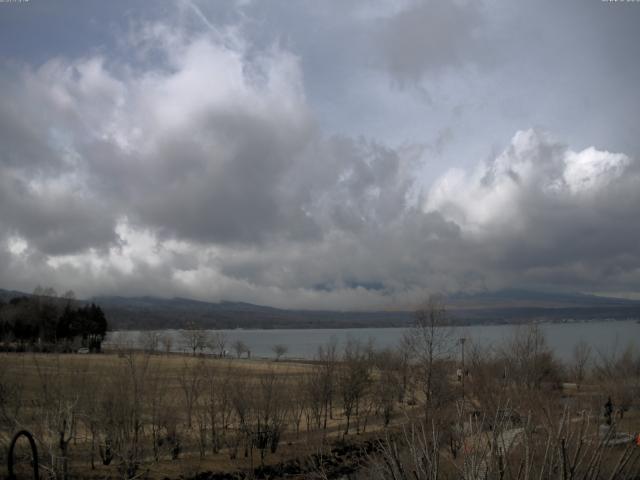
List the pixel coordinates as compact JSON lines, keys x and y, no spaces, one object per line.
{"x":174,"y":313}
{"x":505,"y":306}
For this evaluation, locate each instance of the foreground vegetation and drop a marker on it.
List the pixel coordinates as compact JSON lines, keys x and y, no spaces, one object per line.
{"x":419,"y":411}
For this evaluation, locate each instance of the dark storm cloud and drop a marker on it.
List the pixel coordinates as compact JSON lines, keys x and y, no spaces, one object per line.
{"x":38,"y":199}
{"x":232,"y":196}
{"x":204,"y":156}
{"x":55,"y":223}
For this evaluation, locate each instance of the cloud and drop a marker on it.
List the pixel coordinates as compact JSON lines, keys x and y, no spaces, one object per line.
{"x":196,"y":165}
{"x":546,"y":215}
{"x":428,"y":37}
{"x":187,"y":171}
{"x":169,"y":147}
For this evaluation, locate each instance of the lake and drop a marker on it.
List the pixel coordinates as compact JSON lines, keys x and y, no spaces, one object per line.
{"x":603,"y":336}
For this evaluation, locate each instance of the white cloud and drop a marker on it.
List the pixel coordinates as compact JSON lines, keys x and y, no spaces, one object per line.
{"x":502,"y":193}
{"x":591,"y":171}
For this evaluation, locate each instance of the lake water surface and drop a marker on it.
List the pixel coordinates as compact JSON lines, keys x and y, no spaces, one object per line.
{"x":603,"y":336}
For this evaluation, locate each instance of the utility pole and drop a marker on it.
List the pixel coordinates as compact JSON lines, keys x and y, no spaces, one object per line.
{"x":462,"y":341}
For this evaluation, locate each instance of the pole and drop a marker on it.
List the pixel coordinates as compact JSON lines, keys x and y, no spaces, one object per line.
{"x":462,"y":341}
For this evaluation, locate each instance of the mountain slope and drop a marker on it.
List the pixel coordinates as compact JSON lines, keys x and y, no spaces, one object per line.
{"x":505,"y":306}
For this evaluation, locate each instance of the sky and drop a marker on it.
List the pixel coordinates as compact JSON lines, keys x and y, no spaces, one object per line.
{"x":337,"y":154}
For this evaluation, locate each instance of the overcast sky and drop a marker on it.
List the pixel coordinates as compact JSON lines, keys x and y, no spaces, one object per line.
{"x":319,"y":154}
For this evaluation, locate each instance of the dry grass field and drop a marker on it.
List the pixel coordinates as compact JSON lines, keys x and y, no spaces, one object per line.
{"x":164,"y":409}
{"x":130,"y":414}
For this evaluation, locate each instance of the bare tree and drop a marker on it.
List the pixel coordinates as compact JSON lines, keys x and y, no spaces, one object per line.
{"x":388,"y":383}
{"x":242,"y":405}
{"x":488,"y":382}
{"x":219,"y":343}
{"x":569,"y":450}
{"x":529,"y":359}
{"x":403,"y":358}
{"x":190,"y":379}
{"x":240,"y":347}
{"x":327,"y":358}
{"x":217,"y":403}
{"x":431,"y":342}
{"x":149,"y":341}
{"x":354,"y":377}
{"x":58,"y":409}
{"x":269,"y":413}
{"x":167,"y":342}
{"x":297,"y":403}
{"x":618,"y":373}
{"x":194,"y":338}
{"x":279,"y":350}
{"x":314,"y":390}
{"x":580,"y":361}
{"x":157,"y":403}
{"x":123,"y":414}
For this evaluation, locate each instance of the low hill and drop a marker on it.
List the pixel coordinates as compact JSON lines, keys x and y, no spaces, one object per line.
{"x":505,"y":306}
{"x":174,"y":313}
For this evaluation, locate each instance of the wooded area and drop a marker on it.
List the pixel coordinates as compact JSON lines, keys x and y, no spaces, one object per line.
{"x":44,"y":322}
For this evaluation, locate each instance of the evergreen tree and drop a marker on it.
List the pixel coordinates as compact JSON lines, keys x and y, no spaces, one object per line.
{"x":41,"y":318}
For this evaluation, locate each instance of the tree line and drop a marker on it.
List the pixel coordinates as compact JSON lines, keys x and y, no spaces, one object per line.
{"x":45,"y":321}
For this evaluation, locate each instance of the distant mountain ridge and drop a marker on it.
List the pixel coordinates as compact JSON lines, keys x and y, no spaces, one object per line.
{"x":503,"y":306}
{"x":533,"y":298}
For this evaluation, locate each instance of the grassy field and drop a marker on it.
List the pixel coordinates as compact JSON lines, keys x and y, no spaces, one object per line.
{"x":130,"y":414}
{"x":74,"y":394}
